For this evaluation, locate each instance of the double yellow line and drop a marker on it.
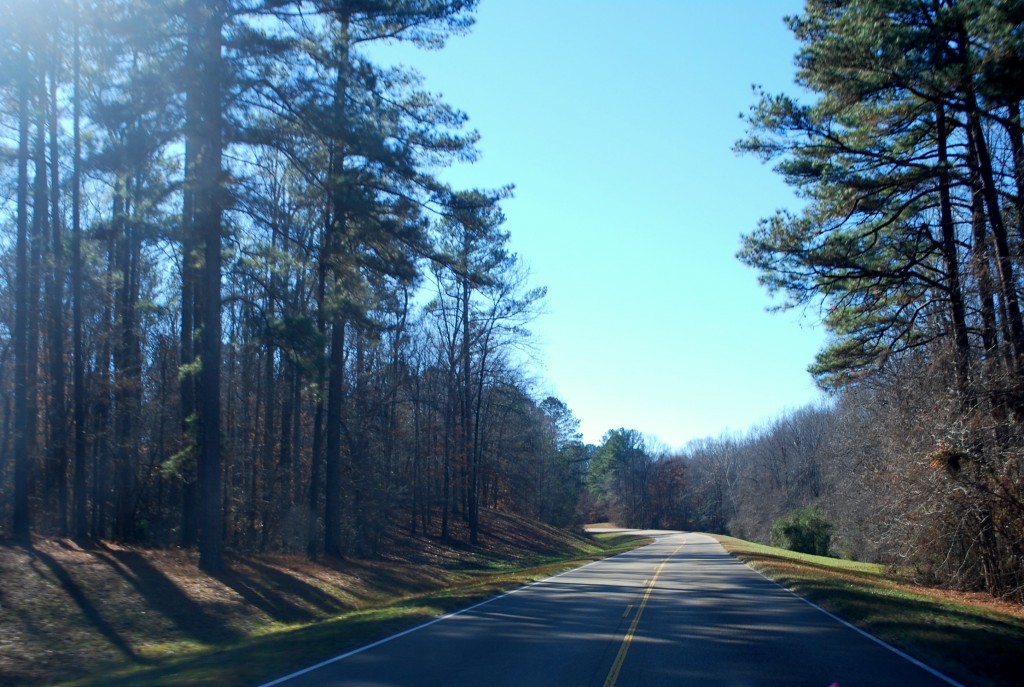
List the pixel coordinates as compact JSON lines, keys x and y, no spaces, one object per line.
{"x":613,"y":676}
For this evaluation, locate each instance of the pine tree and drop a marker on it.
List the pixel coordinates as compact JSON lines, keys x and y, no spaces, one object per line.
{"x":204,"y":185}
{"x":377,"y":133}
{"x":906,"y":235}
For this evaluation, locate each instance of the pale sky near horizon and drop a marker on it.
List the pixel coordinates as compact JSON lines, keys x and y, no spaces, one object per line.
{"x":615,"y":120}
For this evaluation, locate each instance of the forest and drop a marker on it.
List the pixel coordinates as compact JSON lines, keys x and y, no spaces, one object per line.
{"x":241,"y":309}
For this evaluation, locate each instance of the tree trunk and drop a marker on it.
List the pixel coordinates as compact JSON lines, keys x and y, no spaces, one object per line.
{"x":189,"y":309}
{"x":981,"y":267}
{"x":1016,"y":135}
{"x":39,"y":237}
{"x":1004,"y":258}
{"x":467,"y":436}
{"x":23,"y":445}
{"x":333,"y":544}
{"x":58,"y":400}
{"x":125,"y":372}
{"x":268,"y":478}
{"x":317,"y":449}
{"x":207,"y":133}
{"x":80,"y":509}
{"x":950,"y":254}
{"x":334,"y":255}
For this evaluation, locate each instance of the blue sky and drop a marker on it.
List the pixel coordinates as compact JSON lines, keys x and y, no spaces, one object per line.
{"x":615,"y":120}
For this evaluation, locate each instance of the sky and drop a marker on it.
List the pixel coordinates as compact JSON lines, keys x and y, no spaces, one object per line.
{"x":615,"y":121}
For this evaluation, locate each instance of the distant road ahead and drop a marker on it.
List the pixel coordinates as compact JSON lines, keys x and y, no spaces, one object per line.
{"x":678,"y":612}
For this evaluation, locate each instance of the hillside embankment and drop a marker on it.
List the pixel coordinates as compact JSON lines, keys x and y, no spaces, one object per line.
{"x":106,"y":613}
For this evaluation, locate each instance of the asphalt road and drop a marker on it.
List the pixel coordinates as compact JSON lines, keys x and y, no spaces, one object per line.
{"x":680,"y":611}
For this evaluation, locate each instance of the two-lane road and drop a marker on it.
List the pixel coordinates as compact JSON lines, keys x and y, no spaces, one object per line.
{"x":680,"y":611}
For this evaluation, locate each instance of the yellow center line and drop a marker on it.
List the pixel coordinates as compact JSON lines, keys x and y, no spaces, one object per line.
{"x":613,"y":676}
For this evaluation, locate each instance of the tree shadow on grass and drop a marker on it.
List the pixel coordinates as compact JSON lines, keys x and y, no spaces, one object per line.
{"x":85,"y":604}
{"x":283,"y":597}
{"x":163,"y":595}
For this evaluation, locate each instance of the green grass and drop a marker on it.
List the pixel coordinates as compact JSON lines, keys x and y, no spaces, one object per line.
{"x":274,"y":650}
{"x":974,"y":640}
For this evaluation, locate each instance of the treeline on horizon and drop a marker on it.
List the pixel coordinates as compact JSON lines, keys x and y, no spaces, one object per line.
{"x":240,"y":307}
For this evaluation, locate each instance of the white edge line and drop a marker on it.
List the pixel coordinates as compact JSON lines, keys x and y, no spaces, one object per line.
{"x":447,"y":616}
{"x":927,"y":668}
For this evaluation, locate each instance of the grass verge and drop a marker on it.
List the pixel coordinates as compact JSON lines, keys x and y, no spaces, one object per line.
{"x":970,"y":637}
{"x":270,"y":650}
